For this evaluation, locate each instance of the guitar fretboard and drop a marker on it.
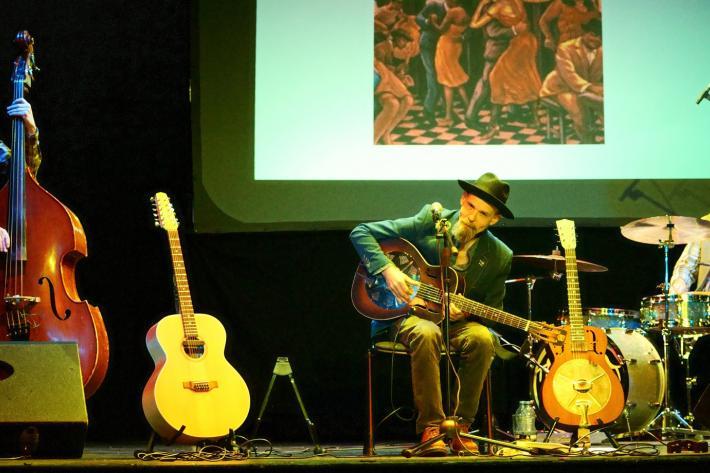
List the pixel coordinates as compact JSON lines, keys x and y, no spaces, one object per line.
{"x":434,"y":294}
{"x":576,"y":321}
{"x":182,"y":288}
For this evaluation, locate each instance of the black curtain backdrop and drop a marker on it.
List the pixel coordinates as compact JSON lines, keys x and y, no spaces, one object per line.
{"x":111,"y":101}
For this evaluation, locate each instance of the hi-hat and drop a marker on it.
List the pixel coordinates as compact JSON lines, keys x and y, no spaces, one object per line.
{"x":658,"y":230}
{"x":556,"y":263}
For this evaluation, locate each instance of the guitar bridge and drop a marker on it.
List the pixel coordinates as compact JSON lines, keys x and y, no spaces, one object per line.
{"x":200,"y":386}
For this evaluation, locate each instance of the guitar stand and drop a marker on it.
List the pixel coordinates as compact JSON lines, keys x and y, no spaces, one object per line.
{"x":153,"y":435}
{"x":551,"y":430}
{"x":283,"y":368}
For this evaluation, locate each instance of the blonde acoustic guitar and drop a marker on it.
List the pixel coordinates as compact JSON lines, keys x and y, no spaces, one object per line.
{"x":194,"y":394}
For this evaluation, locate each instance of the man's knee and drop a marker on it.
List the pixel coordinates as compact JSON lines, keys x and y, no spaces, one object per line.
{"x":427,"y":332}
{"x":479,"y":339}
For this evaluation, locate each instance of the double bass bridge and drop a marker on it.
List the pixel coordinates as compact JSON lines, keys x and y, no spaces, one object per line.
{"x":17,"y":312}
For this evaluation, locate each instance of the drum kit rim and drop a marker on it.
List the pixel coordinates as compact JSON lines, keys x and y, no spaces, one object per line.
{"x":665,"y":232}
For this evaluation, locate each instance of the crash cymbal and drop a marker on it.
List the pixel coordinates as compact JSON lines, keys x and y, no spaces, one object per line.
{"x":655,"y":230}
{"x":556,"y":263}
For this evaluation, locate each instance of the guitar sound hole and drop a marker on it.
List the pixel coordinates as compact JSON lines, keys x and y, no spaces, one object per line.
{"x":194,"y":348}
{"x":376,"y":287}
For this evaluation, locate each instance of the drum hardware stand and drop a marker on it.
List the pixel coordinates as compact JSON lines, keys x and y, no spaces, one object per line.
{"x":283,"y":368}
{"x":530,"y":285}
{"x":687,"y":343}
{"x":668,"y":414}
{"x":526,"y":347}
{"x":686,"y":346}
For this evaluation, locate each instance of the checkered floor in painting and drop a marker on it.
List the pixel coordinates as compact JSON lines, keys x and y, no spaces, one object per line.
{"x":513,"y":131}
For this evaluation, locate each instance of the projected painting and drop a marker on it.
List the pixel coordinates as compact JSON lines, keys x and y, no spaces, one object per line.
{"x":473,"y":72}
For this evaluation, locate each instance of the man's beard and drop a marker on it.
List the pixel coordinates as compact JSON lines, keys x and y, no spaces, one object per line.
{"x":463,"y":233}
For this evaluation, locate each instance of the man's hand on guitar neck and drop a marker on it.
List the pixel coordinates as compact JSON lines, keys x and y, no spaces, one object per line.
{"x":399,"y":283}
{"x":456,"y":314}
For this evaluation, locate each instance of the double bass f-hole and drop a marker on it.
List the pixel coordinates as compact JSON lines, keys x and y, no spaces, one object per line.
{"x":18,"y":310}
{"x":52,"y":300}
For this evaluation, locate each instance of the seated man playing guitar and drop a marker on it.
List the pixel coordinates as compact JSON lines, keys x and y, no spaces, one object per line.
{"x":484,"y":262}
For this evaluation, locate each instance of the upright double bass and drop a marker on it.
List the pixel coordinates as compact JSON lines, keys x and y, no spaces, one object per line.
{"x":40,"y":299}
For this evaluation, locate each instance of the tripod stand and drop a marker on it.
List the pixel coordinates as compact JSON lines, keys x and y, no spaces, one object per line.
{"x":283,"y":368}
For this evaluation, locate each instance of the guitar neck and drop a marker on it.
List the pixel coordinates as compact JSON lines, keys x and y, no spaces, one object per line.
{"x":181,"y":285}
{"x":434,"y":294}
{"x":16,"y":217}
{"x":576,"y":320}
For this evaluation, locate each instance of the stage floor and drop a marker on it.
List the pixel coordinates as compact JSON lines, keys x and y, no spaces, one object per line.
{"x":649,"y":456}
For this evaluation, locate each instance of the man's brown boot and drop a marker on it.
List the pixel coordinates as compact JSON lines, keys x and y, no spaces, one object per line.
{"x":463,"y":446}
{"x":436,"y":449}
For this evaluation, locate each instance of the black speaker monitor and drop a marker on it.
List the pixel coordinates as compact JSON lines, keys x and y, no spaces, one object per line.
{"x":43,"y":411}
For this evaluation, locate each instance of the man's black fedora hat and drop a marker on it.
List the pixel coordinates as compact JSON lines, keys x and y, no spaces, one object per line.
{"x":491,"y":189}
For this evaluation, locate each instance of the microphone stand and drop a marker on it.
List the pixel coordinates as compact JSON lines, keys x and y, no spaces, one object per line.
{"x":448,"y":429}
{"x":442,"y":228}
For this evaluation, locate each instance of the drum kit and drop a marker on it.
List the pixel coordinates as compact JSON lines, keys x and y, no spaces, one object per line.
{"x":680,"y":320}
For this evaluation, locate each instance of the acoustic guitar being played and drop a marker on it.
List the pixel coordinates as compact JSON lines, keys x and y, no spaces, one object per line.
{"x":194,"y":394}
{"x":371,"y":297}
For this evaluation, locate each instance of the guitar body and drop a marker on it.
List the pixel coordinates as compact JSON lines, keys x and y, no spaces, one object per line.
{"x":201,"y":392}
{"x":579,"y":378}
{"x":372,"y":299}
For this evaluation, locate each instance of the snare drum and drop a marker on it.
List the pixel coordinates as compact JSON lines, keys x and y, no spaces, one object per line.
{"x":653,"y":310}
{"x":695,"y":310}
{"x":689,"y":311}
{"x":606,"y":317}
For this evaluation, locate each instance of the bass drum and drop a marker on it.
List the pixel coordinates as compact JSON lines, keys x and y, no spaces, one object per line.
{"x":647,"y":384}
{"x":639,"y":367}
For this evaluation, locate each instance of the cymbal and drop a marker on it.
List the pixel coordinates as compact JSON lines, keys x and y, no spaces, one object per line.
{"x":655,"y":230}
{"x":557,"y":263}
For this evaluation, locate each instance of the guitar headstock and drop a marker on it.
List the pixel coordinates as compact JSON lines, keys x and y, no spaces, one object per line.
{"x":163,"y":212}
{"x":23,"y":72}
{"x":565,"y":229}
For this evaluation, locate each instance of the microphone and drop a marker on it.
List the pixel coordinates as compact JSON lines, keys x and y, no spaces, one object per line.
{"x":705,"y":94}
{"x":436,"y":209}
